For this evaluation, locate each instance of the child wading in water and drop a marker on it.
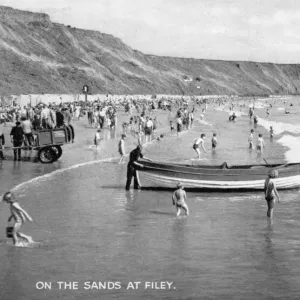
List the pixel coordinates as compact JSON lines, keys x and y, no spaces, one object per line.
{"x":271,"y":191}
{"x":214,"y":142}
{"x":97,"y":138}
{"x":197,"y":143}
{"x":19,"y":215}
{"x":260,"y":144}
{"x":172,"y":127}
{"x":122,"y":148}
{"x":179,"y":200}
{"x":250,"y":139}
{"x":271,"y":132}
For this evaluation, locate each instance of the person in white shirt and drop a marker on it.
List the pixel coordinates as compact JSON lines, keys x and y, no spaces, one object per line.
{"x":148,"y":129}
{"x":260,"y":144}
{"x":27,"y":129}
{"x":24,"y":112}
{"x":250,"y":139}
{"x":45,"y":116}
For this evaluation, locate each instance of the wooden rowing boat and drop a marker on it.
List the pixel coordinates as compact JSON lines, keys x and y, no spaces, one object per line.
{"x":217,"y":178}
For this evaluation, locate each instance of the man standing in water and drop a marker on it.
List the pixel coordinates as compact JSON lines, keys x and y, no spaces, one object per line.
{"x":179,"y":200}
{"x":197,"y":143}
{"x":271,"y":191}
{"x":131,"y":171}
{"x":20,"y":216}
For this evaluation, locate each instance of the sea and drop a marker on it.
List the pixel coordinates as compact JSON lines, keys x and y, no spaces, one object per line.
{"x":97,"y":241}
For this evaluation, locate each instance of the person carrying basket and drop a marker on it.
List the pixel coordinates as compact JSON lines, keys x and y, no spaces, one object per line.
{"x":19,"y":215}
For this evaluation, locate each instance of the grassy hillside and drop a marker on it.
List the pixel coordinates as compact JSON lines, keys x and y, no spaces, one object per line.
{"x":38,"y":56}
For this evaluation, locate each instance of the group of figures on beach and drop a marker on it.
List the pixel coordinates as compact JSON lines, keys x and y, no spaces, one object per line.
{"x":97,"y":115}
{"x":179,"y":196}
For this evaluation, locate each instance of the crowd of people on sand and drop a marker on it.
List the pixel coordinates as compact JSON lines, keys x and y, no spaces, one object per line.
{"x":143,"y":121}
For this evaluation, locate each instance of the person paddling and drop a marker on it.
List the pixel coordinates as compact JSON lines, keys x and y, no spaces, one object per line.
{"x":197,"y":143}
{"x":179,"y":200}
{"x":271,"y":191}
{"x":19,"y":215}
{"x":122,"y":147}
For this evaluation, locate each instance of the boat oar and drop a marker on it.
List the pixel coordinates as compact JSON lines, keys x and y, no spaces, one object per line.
{"x":266,"y":162}
{"x":280,"y":166}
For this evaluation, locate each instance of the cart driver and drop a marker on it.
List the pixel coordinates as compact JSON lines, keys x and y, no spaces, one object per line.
{"x":17,"y":138}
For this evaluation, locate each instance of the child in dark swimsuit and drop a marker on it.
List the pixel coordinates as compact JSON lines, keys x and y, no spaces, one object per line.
{"x":19,"y":215}
{"x":214,"y":142}
{"x":172,"y":127}
{"x":271,"y":132}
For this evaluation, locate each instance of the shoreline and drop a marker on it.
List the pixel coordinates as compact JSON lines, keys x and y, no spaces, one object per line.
{"x":82,"y":151}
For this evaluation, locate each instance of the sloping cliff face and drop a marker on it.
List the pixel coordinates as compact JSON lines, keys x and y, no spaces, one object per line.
{"x":38,"y":56}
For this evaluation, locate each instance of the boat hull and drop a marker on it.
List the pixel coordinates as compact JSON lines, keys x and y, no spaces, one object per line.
{"x":157,"y":175}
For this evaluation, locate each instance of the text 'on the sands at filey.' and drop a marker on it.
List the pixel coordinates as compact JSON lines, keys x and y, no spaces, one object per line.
{"x":105,"y":285}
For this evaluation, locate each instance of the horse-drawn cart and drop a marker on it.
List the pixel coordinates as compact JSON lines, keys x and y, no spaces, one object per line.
{"x":48,"y":142}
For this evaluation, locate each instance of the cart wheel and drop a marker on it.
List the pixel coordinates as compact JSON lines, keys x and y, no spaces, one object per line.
{"x":58,"y":151}
{"x":47,"y":155}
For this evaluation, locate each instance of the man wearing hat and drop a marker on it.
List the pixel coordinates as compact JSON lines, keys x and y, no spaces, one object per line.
{"x":179,"y":200}
{"x":17,"y":138}
{"x":131,"y":171}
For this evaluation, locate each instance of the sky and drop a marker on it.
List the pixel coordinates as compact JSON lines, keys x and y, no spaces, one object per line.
{"x":250,"y":30}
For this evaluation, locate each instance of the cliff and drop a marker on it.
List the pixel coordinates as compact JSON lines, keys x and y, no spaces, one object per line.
{"x":38,"y":56}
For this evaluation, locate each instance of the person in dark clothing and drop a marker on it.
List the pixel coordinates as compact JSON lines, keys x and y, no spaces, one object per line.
{"x":2,"y":142}
{"x":17,"y":138}
{"x":131,"y":171}
{"x":36,"y":123}
{"x":232,"y":117}
{"x":60,"y":119}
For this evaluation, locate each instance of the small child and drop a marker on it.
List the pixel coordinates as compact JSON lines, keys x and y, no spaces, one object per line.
{"x":260,"y":144}
{"x":271,"y":132}
{"x":97,"y":138}
{"x":250,"y":139}
{"x":255,"y":119}
{"x":139,"y":136}
{"x":159,"y":137}
{"x":19,"y":215}
{"x":172,"y":127}
{"x":179,"y":200}
{"x":214,"y":142}
{"x":125,"y":127}
{"x":122,"y":147}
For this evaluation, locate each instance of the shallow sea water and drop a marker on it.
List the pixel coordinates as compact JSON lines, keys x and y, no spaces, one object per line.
{"x":91,"y":229}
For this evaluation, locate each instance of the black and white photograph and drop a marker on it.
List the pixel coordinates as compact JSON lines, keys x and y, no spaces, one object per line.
{"x":150,"y":149}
